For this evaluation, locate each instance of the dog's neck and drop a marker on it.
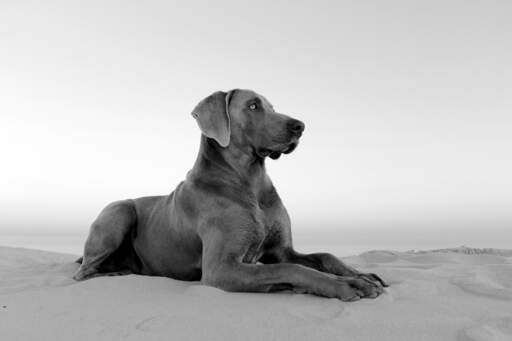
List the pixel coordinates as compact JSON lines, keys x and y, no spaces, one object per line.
{"x":237,"y":165}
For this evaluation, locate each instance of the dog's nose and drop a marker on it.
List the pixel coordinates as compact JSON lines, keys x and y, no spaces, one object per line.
{"x":296,"y":126}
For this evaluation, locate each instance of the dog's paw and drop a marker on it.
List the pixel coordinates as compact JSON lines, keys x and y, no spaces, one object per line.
{"x":355,"y":288}
{"x":374,"y":278}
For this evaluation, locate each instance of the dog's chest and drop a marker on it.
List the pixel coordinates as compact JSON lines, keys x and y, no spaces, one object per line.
{"x":261,"y":239}
{"x":271,"y":218}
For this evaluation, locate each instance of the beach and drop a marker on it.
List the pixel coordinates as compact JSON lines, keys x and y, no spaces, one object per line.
{"x":449,"y":294}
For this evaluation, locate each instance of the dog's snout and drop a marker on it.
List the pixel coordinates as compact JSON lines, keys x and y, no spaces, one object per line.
{"x":296,"y":126}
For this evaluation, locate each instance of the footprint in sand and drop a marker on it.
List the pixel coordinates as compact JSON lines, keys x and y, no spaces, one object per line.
{"x":496,"y":330}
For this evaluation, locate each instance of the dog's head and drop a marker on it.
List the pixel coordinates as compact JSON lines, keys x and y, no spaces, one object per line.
{"x":247,"y":120}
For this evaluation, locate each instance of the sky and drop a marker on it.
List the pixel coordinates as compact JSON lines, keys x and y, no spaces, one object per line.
{"x":407,"y":105}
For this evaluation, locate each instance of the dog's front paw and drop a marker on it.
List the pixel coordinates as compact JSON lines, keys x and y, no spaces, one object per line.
{"x":366,"y":287}
{"x":372,"y":277}
{"x":360,"y":287}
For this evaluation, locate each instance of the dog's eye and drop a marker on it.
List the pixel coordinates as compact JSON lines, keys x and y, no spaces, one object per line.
{"x":253,"y":106}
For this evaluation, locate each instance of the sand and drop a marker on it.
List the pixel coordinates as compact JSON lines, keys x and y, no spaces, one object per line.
{"x":452,"y":294}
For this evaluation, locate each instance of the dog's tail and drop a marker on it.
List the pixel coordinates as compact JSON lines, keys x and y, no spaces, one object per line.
{"x":79,"y":260}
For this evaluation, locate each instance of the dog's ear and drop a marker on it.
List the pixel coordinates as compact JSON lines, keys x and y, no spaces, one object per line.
{"x":212,"y":116}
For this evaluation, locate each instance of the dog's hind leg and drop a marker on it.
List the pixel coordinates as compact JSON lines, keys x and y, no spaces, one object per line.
{"x":106,"y":235}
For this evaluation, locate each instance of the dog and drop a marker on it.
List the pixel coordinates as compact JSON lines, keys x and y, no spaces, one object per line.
{"x":224,"y":225}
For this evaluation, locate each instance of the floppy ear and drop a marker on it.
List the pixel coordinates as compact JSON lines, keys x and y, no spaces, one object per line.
{"x":212,"y":116}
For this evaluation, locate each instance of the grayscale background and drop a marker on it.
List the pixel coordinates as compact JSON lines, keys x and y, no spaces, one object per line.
{"x":407,"y":105}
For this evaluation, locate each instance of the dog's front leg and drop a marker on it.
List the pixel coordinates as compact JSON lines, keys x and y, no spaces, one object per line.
{"x":327,"y":262}
{"x":222,"y":267}
{"x":240,"y":277}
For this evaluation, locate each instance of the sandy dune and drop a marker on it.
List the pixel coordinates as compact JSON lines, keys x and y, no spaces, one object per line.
{"x":456,"y":294}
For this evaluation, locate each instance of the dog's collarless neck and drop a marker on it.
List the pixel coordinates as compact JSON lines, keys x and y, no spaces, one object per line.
{"x":232,"y":164}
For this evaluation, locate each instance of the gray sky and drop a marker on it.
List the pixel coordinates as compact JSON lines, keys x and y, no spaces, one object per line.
{"x":407,"y":106}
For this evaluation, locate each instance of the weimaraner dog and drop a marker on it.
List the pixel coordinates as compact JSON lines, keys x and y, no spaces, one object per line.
{"x":225,"y":225}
